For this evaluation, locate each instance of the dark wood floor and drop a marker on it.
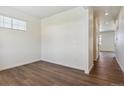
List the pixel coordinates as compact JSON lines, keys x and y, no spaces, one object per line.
{"x":108,"y":69}
{"x":105,"y":72}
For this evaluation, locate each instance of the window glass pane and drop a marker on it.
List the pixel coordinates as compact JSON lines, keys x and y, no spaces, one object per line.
{"x":16,"y":27}
{"x":7,"y":25}
{"x":7,"y":19}
{"x":22,"y":28}
{"x":15,"y":22}
{"x":7,"y":22}
{"x":1,"y":21}
{"x":18,"y":24}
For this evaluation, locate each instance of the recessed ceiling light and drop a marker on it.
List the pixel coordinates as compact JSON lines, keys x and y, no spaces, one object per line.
{"x":106,"y":13}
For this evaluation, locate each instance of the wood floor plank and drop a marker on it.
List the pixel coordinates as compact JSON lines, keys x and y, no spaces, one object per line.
{"x":108,"y":69}
{"x":105,"y":72}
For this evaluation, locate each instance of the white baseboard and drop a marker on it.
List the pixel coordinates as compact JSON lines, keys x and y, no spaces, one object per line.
{"x":49,"y":61}
{"x":89,"y":70}
{"x":17,"y":65}
{"x":107,"y":51}
{"x":122,"y":68}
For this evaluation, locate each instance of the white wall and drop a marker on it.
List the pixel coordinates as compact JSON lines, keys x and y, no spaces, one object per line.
{"x":120,"y":39}
{"x":65,"y":38}
{"x":19,"y":47}
{"x":107,"y":27}
{"x":108,"y":43}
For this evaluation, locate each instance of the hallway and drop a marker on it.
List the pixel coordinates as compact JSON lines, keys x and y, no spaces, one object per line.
{"x":108,"y":69}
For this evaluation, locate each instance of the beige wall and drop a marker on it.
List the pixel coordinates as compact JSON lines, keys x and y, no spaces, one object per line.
{"x":94,"y":38}
{"x":19,"y":47}
{"x":97,"y":40}
{"x":91,"y":39}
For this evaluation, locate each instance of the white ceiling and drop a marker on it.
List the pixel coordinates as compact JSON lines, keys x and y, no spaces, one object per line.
{"x":41,"y":11}
{"x":106,"y":22}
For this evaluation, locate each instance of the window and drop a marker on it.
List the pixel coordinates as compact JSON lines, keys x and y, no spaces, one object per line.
{"x":8,"y":22}
{"x":1,"y":21}
{"x":18,"y":24}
